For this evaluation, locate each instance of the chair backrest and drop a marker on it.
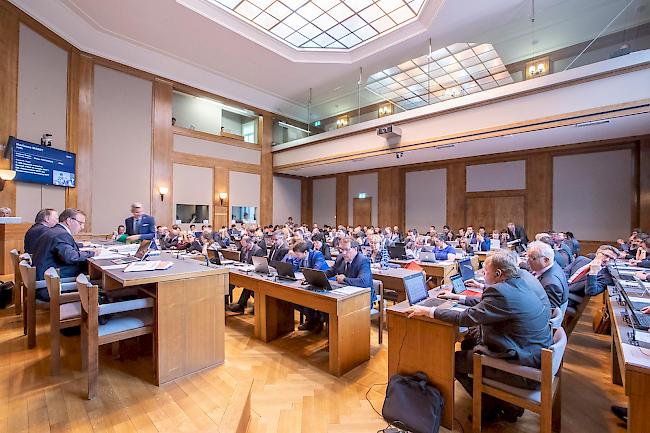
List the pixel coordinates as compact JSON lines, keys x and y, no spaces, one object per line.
{"x":15,"y":261}
{"x":557,"y":315}
{"x":558,"y":348}
{"x":28,"y":275}
{"x":53,"y":283}
{"x":88,"y":296}
{"x":376,"y":284}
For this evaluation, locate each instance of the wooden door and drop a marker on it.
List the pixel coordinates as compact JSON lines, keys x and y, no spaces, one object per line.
{"x":494,"y":209}
{"x":479,"y":212}
{"x":362,"y":211}
{"x":509,"y":209}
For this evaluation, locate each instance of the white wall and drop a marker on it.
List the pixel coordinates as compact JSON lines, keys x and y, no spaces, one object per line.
{"x":367,"y":183}
{"x":42,"y":105}
{"x":287,"y":198}
{"x":592,"y":194}
{"x":192,"y":185}
{"x":324,"y":201}
{"x":197,"y":146}
{"x":496,"y":177}
{"x":244,"y":190}
{"x":426,"y":199}
{"x":121,"y":147}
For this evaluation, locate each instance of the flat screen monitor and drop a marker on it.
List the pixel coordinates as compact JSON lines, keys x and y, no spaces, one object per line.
{"x":39,"y":164}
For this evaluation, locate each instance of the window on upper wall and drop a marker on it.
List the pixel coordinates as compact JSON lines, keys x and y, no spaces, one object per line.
{"x":208,"y":115}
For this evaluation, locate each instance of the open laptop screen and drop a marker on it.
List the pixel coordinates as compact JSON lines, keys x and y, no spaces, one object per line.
{"x":466,"y":269}
{"x":416,"y":289}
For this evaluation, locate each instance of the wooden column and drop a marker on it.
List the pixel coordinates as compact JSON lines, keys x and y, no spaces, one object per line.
{"x":391,"y":198}
{"x":456,"y":188}
{"x":8,"y":92}
{"x":342,"y":184}
{"x":307,"y":201}
{"x":161,"y":152}
{"x":539,"y":194}
{"x":266,"y":177}
{"x":80,"y":130}
{"x":221,"y":184}
{"x":643,"y":218}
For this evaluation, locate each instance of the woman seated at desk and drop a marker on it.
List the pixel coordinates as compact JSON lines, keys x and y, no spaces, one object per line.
{"x":376,"y":253}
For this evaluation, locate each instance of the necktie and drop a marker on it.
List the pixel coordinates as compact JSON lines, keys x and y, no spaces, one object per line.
{"x":345,"y":268}
{"x":136,"y":226}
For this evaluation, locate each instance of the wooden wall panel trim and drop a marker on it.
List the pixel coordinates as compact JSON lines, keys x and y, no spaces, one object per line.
{"x":539,"y":193}
{"x":643,"y":211}
{"x":161,"y":152}
{"x":266,"y":176}
{"x":206,"y":161}
{"x":6,"y":8}
{"x":214,"y":137}
{"x":221,"y":184}
{"x":456,"y":190}
{"x":342,"y":185}
{"x":391,"y":205}
{"x":80,"y":130}
{"x":499,"y":193}
{"x":306,"y":201}
{"x":8,"y":92}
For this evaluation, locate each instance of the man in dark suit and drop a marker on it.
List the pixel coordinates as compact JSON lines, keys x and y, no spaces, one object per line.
{"x":248,"y":250}
{"x":279,"y":247}
{"x":57,"y":248}
{"x":513,"y":317}
{"x":550,"y":274}
{"x":352,"y":268}
{"x":139,"y":226}
{"x":45,"y":220}
{"x":517,"y":232}
{"x":585,"y":282}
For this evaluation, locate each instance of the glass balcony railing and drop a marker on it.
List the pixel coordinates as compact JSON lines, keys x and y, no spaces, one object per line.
{"x":529,"y":41}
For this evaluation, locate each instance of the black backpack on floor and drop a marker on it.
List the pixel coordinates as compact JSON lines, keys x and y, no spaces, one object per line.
{"x":413,"y":404}
{"x":6,"y":294}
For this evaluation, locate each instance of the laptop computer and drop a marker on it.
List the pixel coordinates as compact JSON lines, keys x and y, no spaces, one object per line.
{"x":426,"y":256}
{"x":285,"y":270}
{"x":215,"y":258}
{"x":261,"y":265}
{"x":639,"y":319}
{"x":417,"y":293}
{"x":140,"y":254}
{"x":397,"y":252}
{"x":317,"y":280}
{"x":466,"y":269}
{"x":458,"y":287}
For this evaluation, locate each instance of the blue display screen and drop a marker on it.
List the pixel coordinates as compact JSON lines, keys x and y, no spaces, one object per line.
{"x":39,"y":164}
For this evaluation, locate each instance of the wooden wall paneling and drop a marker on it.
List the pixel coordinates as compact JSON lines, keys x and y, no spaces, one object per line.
{"x":206,"y":161}
{"x":306,"y":201}
{"x":391,"y":206}
{"x":456,"y":190}
{"x":509,"y":209}
{"x":342,"y":185}
{"x":162,"y":144}
{"x":480,"y":211}
{"x":539,"y":193}
{"x":221,"y":184}
{"x":362,"y":211}
{"x":265,"y":131}
{"x":643,"y":170}
{"x":80,"y":130}
{"x":8,"y":91}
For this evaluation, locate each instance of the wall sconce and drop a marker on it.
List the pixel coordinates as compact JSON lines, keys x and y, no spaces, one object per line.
{"x":222,"y":196}
{"x":341,"y":122}
{"x":6,"y":175}
{"x":163,"y":190}
{"x":537,"y":68}
{"x":385,"y":110}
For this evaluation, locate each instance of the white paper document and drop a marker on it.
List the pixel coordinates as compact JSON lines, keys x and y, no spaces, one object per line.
{"x":105,"y":254}
{"x":348,"y":290}
{"x":109,"y":267}
{"x":642,"y":336}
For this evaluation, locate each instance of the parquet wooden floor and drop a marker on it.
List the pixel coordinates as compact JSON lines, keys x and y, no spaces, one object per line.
{"x":292,"y":391}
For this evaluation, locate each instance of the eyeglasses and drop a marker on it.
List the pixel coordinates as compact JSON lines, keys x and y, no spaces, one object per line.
{"x":80,"y":222}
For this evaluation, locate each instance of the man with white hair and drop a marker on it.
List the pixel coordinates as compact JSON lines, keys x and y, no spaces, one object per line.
{"x":139,"y":226}
{"x":550,"y":274}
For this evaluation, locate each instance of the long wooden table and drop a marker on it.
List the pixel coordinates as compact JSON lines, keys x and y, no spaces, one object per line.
{"x":349,"y":316}
{"x":423,"y":344}
{"x":630,"y":367}
{"x":439,"y":271}
{"x":189,"y":317}
{"x":393,"y":279}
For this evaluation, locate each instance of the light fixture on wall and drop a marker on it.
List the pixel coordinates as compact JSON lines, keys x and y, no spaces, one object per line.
{"x":342,"y":122}
{"x":163,"y":190}
{"x":6,"y":175}
{"x":222,"y":196}
{"x":537,"y":68}
{"x":385,"y":110}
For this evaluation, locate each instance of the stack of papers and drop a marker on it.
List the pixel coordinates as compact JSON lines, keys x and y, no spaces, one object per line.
{"x":105,"y":254}
{"x":348,"y":290}
{"x":154,"y":265}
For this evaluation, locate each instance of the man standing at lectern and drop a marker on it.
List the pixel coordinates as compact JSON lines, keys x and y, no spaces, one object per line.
{"x":140,"y":226}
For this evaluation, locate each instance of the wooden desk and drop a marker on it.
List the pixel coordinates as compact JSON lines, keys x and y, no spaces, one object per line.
{"x":189,"y":317}
{"x":349,"y":316}
{"x":630,"y":368}
{"x":229,"y":254}
{"x":393,"y":279}
{"x":439,"y":271}
{"x":11,"y":237}
{"x":427,"y":345}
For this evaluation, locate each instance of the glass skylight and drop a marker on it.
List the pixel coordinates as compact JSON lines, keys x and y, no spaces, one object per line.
{"x":457,"y":70}
{"x":331,"y":24}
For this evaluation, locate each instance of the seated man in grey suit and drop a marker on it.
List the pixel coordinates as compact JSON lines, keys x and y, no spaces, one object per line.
{"x":550,"y":274}
{"x":248,"y":250}
{"x":513,"y":318}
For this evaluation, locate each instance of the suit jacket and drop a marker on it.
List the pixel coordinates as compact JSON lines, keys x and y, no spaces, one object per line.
{"x":513,"y":317}
{"x":278,"y":253}
{"x":147,"y":227}
{"x":357,"y":273}
{"x":247,"y":256}
{"x":314,"y":260}
{"x":325,"y":249}
{"x":57,"y":248}
{"x":195,"y":246}
{"x":555,"y":284}
{"x":32,"y":236}
{"x":442,"y":253}
{"x":519,"y":233}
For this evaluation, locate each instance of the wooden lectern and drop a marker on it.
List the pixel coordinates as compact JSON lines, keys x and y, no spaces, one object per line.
{"x":11,"y":236}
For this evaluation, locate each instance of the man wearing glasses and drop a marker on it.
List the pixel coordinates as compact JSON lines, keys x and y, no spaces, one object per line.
{"x":57,"y":248}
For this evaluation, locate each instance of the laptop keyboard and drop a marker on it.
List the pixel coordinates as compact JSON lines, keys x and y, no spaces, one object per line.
{"x":432,"y":302}
{"x":641,"y":321}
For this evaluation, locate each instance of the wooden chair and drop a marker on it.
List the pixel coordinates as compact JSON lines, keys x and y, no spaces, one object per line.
{"x":128,"y":319}
{"x":573,"y":315}
{"x":379,"y":290}
{"x":557,"y":315}
{"x":539,"y":401}
{"x":18,"y":285}
{"x":65,"y":312}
